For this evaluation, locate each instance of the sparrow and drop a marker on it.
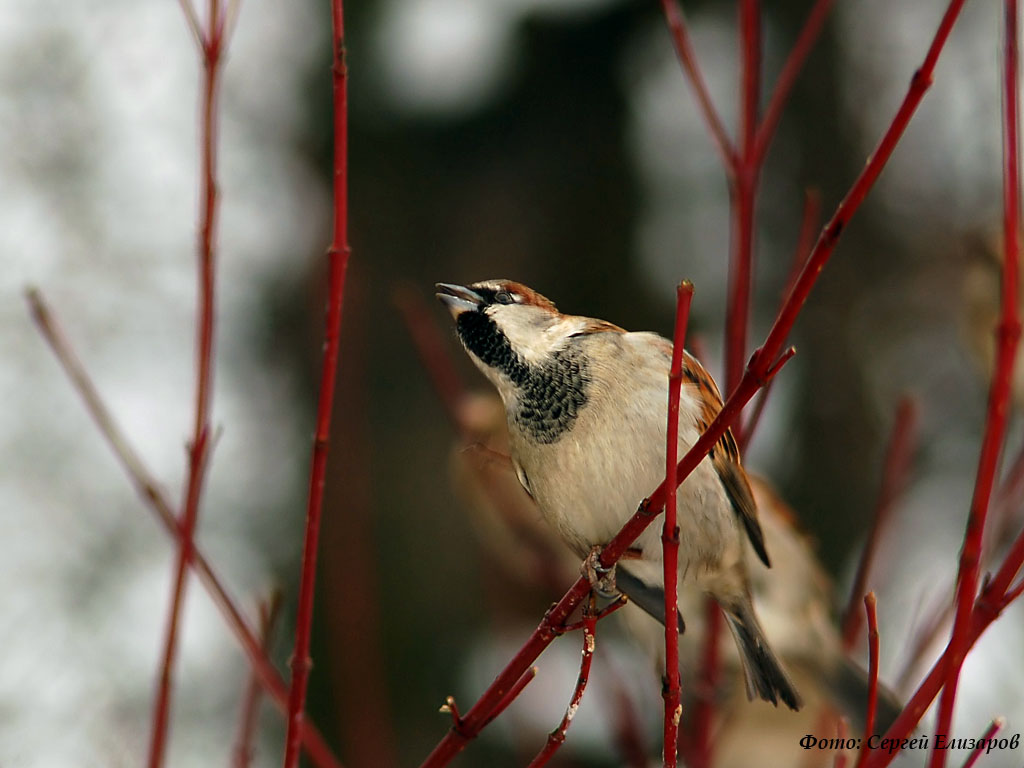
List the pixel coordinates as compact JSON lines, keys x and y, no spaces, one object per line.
{"x":585,"y":403}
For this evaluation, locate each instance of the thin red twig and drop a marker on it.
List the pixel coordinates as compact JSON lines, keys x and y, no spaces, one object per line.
{"x":620,"y":602}
{"x":149,"y":491}
{"x":1007,"y":336}
{"x":898,"y":454}
{"x":688,"y":58}
{"x":670,"y":530}
{"x":842,"y":734}
{"x":995,"y":597}
{"x":338,"y":254}
{"x":212,"y":58}
{"x":743,"y":191}
{"x":870,"y":608}
{"x":998,"y":531}
{"x":805,"y":41}
{"x":980,"y":748}
{"x":810,"y":215}
{"x":511,"y":695}
{"x":750,"y":69}
{"x":192,"y":19}
{"x":708,"y":681}
{"x":1015,"y":592}
{"x":557,"y":737}
{"x":243,"y":752}
{"x":743,"y":177}
{"x":432,"y":351}
{"x":761,"y":364}
{"x":628,"y":731}
{"x":1006,"y":507}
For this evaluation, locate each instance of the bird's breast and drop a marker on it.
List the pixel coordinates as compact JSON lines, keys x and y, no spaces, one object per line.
{"x":550,"y":397}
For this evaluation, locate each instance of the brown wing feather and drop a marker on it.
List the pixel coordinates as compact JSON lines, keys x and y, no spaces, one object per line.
{"x":725,"y":456}
{"x":593,"y":325}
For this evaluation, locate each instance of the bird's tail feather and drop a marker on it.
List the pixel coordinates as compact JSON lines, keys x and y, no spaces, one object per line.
{"x":764,"y":675}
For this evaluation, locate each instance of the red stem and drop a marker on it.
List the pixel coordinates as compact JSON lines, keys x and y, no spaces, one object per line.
{"x":557,"y":737}
{"x":149,"y":491}
{"x":1007,"y":336}
{"x":898,"y":454}
{"x":1005,"y":506}
{"x":805,"y":241}
{"x":433,"y":353}
{"x":805,"y":41}
{"x":992,"y":601}
{"x":744,"y":193}
{"x":702,"y":745}
{"x":670,"y":530}
{"x":513,"y":693}
{"x":251,"y":697}
{"x":759,"y":370}
{"x":750,"y":66}
{"x":199,"y":445}
{"x":871,"y":609}
{"x":990,"y":732}
{"x":842,"y":734}
{"x":628,"y":732}
{"x":688,"y":58}
{"x":744,"y":177}
{"x":338,"y":254}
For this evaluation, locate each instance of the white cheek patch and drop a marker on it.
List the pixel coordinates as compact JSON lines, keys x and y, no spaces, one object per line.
{"x":528,"y":331}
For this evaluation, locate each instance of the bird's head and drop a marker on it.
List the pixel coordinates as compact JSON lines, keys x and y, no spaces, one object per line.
{"x":505,"y":326}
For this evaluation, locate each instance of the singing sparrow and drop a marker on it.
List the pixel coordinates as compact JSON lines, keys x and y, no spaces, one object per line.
{"x":585,"y":403}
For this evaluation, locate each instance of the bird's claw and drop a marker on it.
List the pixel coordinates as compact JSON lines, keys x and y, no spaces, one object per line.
{"x":602,"y":580}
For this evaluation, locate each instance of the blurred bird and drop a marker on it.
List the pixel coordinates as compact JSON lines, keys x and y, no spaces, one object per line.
{"x":794,"y":600}
{"x":585,"y":407}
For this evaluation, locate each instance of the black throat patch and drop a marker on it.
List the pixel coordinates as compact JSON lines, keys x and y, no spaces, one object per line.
{"x":550,"y":395}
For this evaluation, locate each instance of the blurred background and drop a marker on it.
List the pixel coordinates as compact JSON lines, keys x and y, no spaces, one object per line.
{"x":555,"y":143}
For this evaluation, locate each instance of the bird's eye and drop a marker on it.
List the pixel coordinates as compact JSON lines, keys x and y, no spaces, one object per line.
{"x":503,"y":297}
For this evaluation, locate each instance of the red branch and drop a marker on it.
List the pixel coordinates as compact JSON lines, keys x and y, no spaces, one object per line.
{"x":764,"y":363}
{"x":805,"y":41}
{"x":513,"y":693}
{"x":842,"y":734}
{"x":670,"y":530}
{"x":628,"y":732}
{"x":433,"y":354}
{"x":990,"y":732}
{"x":870,"y":608}
{"x":710,"y":674}
{"x":338,"y":254}
{"x":1007,"y":336}
{"x":743,"y":190}
{"x":557,"y":737}
{"x":269,"y":610}
{"x":211,"y":50}
{"x":148,"y":489}
{"x":805,"y":241}
{"x":898,"y":454}
{"x":759,"y":371}
{"x":809,"y":217}
{"x":995,"y":596}
{"x":688,"y":58}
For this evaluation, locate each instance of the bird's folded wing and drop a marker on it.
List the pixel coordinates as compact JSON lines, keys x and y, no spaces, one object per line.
{"x":650,"y":598}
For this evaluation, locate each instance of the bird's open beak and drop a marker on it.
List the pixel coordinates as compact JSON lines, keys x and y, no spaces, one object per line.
{"x":458,"y":298}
